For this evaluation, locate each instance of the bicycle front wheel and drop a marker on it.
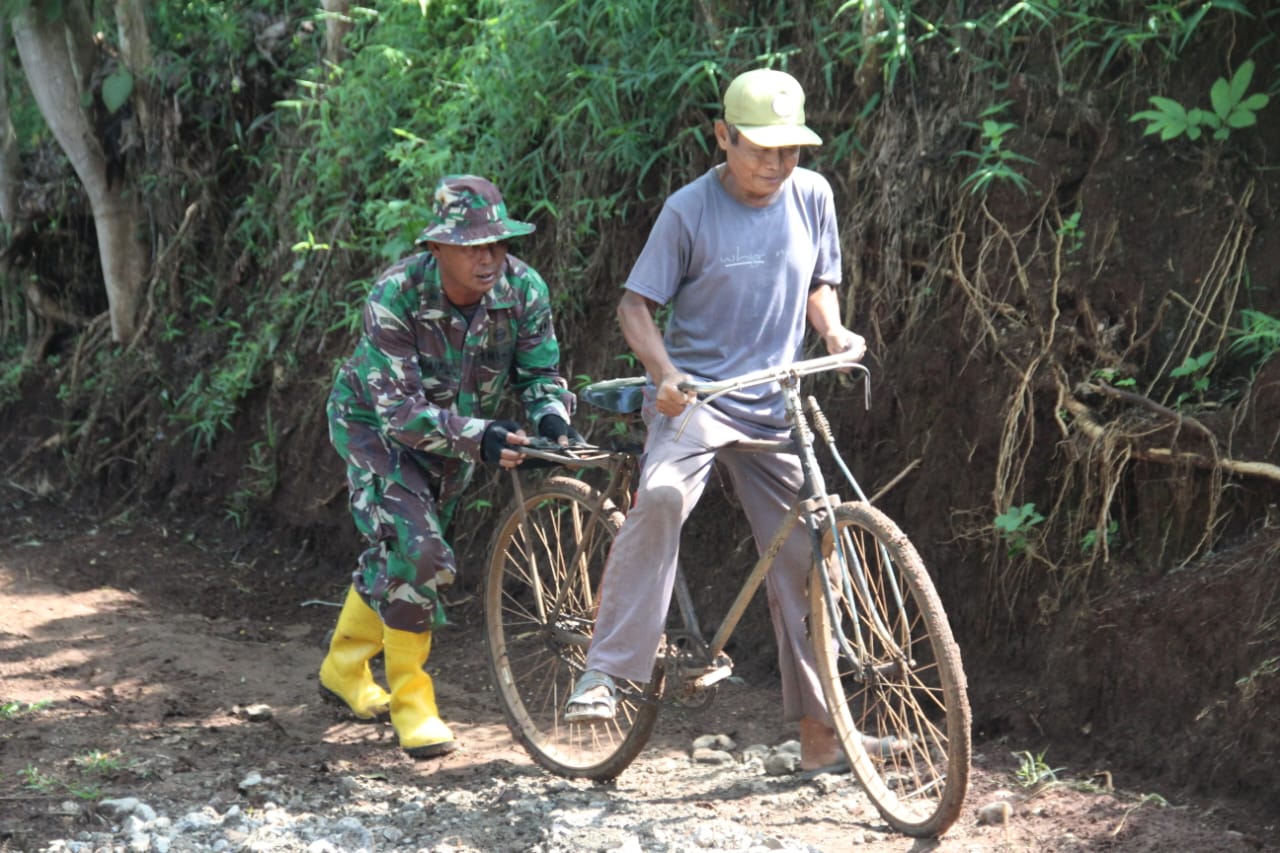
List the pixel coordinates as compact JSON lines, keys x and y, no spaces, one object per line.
{"x":891,"y":672}
{"x":541,"y":596}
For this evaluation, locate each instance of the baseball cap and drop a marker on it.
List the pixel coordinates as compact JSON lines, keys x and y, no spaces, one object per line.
{"x":767,"y":106}
{"x":470,"y":211}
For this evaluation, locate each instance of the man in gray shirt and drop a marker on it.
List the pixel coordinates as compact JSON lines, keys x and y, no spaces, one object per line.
{"x":745,"y":255}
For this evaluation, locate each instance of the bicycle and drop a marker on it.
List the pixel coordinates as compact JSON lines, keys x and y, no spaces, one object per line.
{"x":889,"y":665}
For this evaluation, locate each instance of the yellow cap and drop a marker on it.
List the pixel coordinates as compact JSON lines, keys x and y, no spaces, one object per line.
{"x":767,"y":106}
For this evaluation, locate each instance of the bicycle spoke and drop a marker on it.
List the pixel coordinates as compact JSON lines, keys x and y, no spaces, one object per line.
{"x":891,"y":673}
{"x":540,"y":603}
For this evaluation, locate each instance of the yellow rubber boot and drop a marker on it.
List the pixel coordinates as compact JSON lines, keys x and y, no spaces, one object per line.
{"x":344,"y":673}
{"x":413,"y":697}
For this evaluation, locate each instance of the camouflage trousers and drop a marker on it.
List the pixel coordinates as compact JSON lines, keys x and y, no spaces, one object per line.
{"x":408,"y":560}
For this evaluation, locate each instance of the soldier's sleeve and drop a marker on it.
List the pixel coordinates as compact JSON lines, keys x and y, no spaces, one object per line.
{"x":537,"y":379}
{"x":396,"y":384}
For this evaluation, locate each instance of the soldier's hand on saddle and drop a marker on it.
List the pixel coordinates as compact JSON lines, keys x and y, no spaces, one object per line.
{"x":498,"y":445}
{"x":557,"y":429}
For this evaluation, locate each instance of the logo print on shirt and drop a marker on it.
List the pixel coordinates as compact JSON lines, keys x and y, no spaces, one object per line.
{"x":740,"y":258}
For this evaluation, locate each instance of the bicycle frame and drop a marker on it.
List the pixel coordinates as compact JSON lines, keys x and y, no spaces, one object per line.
{"x":813,"y":505}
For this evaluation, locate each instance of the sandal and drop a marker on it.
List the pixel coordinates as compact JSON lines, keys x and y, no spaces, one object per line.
{"x":598,"y":707}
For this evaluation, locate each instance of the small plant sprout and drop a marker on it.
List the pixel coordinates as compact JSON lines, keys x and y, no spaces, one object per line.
{"x":14,"y":710}
{"x":1197,"y":369}
{"x":995,"y":161}
{"x":97,"y":761}
{"x":1231,"y":110}
{"x":1089,"y":541}
{"x":1072,"y":234}
{"x":1112,"y":376}
{"x":1014,"y":525}
{"x":1033,"y":771}
{"x":1259,"y":336}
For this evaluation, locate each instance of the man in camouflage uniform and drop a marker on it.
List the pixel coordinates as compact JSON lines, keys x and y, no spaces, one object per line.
{"x":447,"y":332}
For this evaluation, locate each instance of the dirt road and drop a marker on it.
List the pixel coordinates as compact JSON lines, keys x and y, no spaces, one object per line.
{"x":158,"y":693}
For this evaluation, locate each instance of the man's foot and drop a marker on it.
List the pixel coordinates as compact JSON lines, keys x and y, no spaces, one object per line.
{"x":819,"y":745}
{"x":594,"y":699}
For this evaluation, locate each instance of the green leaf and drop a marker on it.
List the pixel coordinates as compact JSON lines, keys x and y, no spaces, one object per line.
{"x":116,"y":89}
{"x":1240,"y":82}
{"x":1255,"y":102}
{"x":1220,"y":97}
{"x":1241,"y":118}
{"x":1169,"y":106}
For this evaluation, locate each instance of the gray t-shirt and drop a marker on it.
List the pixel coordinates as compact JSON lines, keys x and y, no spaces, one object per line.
{"x":738,"y":280}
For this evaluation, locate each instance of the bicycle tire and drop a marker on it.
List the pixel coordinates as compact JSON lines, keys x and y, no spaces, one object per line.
{"x":908,"y":682}
{"x":541,"y":593}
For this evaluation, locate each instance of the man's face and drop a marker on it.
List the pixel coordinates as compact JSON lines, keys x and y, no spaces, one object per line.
{"x":469,"y":272}
{"x":754,"y":174}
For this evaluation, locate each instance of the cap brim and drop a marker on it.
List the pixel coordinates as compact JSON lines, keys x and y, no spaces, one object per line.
{"x":491,"y":233}
{"x":780,"y":135}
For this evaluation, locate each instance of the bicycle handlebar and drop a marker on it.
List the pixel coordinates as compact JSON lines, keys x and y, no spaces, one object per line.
{"x":590,"y":455}
{"x":840,"y":360}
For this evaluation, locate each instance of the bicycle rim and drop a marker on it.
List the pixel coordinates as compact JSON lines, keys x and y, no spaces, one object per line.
{"x":892,"y":675}
{"x":541,"y":596}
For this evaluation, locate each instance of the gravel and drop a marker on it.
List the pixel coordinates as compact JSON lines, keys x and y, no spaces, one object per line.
{"x":511,"y":809}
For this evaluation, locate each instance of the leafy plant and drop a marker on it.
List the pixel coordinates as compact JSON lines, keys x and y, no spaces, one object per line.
{"x":1231,"y":110}
{"x":97,"y":761}
{"x":1090,"y":539}
{"x":14,"y":710}
{"x":1258,"y":336}
{"x":995,"y":161}
{"x":1197,"y":369}
{"x":1112,"y":377}
{"x":1033,"y":770}
{"x":1014,"y":525}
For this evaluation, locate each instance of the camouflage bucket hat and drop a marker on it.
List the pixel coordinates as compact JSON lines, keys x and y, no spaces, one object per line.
{"x":469,"y":211}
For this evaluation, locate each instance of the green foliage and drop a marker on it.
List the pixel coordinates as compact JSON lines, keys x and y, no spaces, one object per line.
{"x":117,"y":87}
{"x":1033,"y":771}
{"x":1258,"y":336}
{"x":1195,"y":368}
{"x":1089,"y":541}
{"x":995,"y":161}
{"x":1113,"y":377}
{"x":1014,"y":526}
{"x":16,"y":710}
{"x":1072,"y":234}
{"x":104,"y":763}
{"x":262,"y":475}
{"x":1231,"y":110}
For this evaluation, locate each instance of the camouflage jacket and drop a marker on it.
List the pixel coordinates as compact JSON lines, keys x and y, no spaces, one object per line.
{"x":422,"y":385}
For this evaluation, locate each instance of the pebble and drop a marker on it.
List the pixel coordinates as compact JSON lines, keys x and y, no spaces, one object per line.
{"x":543,"y":814}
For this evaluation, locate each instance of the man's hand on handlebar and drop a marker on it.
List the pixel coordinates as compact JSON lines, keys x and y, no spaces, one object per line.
{"x":840,"y":340}
{"x":671,"y":400}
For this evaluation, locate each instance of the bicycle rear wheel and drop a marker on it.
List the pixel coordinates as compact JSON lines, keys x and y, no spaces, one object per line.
{"x":541,"y":595}
{"x":891,"y":672}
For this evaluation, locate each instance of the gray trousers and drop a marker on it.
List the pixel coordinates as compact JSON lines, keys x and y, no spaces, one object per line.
{"x":640,"y":572}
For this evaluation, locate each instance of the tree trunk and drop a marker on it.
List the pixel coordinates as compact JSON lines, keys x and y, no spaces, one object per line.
{"x":11,"y":305}
{"x":9,"y":164}
{"x":336,"y":26}
{"x":49,"y":69}
{"x":135,"y":51}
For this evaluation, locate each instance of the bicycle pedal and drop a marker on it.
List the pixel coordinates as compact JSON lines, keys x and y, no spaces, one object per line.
{"x":712,"y":676}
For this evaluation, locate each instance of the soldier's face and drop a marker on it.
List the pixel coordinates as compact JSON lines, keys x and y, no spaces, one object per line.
{"x":467,"y":273}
